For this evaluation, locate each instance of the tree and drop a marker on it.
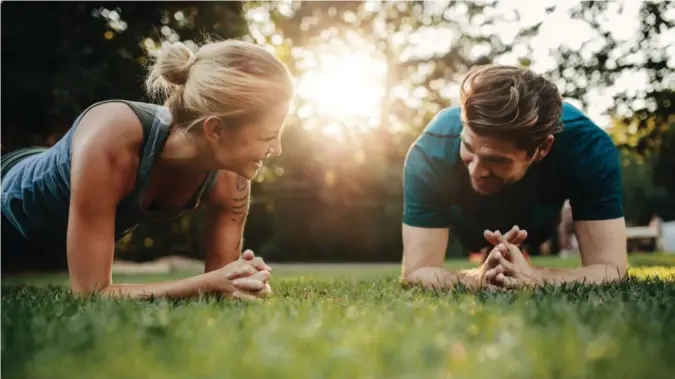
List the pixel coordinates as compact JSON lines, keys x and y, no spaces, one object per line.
{"x":340,"y":196}
{"x":644,"y":115}
{"x":60,"y":58}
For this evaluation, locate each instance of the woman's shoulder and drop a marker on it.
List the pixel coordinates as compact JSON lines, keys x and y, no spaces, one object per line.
{"x":111,"y":128}
{"x":144,"y":112}
{"x":109,"y":119}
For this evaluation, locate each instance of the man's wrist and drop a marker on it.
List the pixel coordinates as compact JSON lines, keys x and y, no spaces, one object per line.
{"x":470,"y":278}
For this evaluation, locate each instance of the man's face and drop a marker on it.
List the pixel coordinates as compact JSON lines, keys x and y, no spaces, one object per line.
{"x":493,"y":163}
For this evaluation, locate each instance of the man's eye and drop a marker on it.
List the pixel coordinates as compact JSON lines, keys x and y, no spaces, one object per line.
{"x":498,"y":161}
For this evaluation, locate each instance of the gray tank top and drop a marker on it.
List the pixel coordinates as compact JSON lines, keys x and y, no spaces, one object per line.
{"x":36,"y":190}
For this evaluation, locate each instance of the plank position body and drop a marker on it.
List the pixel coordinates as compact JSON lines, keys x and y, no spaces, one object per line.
{"x":506,"y":160}
{"x":124,"y":163}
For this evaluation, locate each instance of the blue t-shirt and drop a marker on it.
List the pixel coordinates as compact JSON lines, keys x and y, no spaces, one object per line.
{"x":582,"y":166}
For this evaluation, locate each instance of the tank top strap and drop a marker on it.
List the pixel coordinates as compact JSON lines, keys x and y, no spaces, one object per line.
{"x":205,"y":187}
{"x":156,"y":122}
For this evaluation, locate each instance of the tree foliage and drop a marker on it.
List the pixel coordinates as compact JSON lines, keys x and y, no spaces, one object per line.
{"x":644,"y":115}
{"x":347,"y":194}
{"x":59,"y":58}
{"x":329,"y":198}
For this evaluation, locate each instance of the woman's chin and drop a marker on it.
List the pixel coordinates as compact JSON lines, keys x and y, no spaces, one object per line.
{"x":250,"y":171}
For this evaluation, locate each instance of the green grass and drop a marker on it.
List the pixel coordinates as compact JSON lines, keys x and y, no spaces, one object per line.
{"x":344,"y":321}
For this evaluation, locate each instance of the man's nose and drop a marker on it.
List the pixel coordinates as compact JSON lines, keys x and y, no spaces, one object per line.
{"x":477,"y":169}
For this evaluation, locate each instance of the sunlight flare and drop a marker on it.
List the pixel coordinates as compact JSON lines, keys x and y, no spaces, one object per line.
{"x":342,"y":88}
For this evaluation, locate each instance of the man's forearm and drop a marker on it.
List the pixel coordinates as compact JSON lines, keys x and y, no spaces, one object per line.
{"x":441,"y":279}
{"x":596,"y":273}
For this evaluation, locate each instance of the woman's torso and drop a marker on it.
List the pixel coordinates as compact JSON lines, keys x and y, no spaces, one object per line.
{"x":36,"y":191}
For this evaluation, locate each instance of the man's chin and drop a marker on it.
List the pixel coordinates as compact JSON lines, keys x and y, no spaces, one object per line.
{"x":485,"y":190}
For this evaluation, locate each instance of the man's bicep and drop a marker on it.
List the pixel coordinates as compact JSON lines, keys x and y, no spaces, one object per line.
{"x":597,"y":184}
{"x":597,"y":203}
{"x":423,"y":247}
{"x":423,"y":202}
{"x":602,"y":242}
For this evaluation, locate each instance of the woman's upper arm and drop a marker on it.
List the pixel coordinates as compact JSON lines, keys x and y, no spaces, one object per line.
{"x":229,"y":194}
{"x":104,"y":162}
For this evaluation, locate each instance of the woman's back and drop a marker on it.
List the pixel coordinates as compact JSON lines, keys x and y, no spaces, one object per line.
{"x":36,"y":191}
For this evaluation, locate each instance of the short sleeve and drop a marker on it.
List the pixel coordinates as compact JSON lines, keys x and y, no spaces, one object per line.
{"x":423,"y":204}
{"x":596,"y":178}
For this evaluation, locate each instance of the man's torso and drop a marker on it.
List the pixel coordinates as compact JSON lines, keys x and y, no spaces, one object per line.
{"x":438,"y":191}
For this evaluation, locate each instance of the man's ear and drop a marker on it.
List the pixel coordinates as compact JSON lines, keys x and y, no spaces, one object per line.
{"x":213,"y":128}
{"x":544,"y":148}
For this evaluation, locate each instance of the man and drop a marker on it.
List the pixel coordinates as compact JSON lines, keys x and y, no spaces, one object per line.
{"x":506,"y":160}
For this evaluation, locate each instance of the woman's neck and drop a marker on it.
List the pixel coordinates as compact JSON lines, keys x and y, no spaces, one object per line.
{"x":183,"y":152}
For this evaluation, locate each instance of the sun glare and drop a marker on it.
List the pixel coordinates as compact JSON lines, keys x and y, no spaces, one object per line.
{"x":343,"y":88}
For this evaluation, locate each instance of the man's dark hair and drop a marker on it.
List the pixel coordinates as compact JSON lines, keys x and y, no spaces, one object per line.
{"x":510,"y":102}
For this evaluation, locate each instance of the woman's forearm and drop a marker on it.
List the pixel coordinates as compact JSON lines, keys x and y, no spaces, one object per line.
{"x":181,"y":288}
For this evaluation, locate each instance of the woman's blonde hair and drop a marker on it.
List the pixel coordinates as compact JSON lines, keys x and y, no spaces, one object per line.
{"x":237,"y":81}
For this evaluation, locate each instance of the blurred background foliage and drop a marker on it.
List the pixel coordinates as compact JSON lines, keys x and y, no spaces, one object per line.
{"x":370,"y":76}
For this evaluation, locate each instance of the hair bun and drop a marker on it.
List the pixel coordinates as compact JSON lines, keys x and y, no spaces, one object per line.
{"x":174,"y":62}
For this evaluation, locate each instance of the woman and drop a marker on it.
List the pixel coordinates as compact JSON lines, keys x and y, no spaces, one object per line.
{"x":124,"y":163}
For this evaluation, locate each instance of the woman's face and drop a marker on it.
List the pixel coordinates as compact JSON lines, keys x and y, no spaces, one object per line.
{"x":243,"y":149}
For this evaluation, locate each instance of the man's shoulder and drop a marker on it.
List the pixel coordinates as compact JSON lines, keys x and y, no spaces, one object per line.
{"x":447,"y":123}
{"x":572,"y":114}
{"x":581,"y":144}
{"x":580,"y":134}
{"x":576,"y":122}
{"x":589,"y":167}
{"x":439,"y":140}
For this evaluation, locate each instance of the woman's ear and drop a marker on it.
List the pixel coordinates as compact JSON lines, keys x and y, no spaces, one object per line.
{"x":214,"y":128}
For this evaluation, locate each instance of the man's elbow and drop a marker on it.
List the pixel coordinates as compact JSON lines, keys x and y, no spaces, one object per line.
{"x":408,"y":275}
{"x":620,"y":270}
{"x":428,"y":277}
{"x":620,"y":265}
{"x":614,"y":271}
{"x":425,"y":276}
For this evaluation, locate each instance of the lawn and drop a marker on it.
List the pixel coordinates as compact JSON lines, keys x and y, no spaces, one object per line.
{"x":348,"y":321}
